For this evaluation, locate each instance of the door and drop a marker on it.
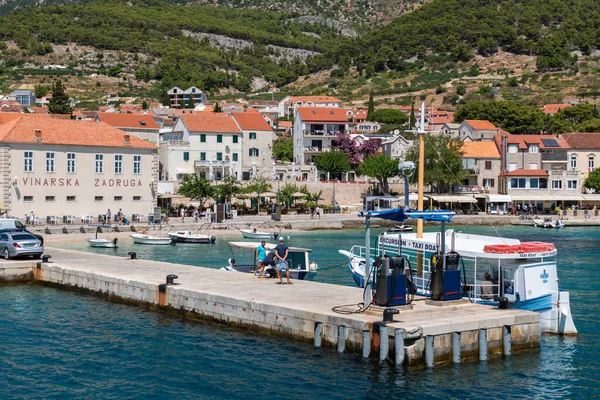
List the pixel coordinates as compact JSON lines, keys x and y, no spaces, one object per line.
{"x":508,"y":284}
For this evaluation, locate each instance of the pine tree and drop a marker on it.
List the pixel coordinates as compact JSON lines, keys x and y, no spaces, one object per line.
{"x":144,"y":105}
{"x":191,"y":103}
{"x":370,"y":107}
{"x":59,"y":103}
{"x":412,"y":116}
{"x":217,"y":107}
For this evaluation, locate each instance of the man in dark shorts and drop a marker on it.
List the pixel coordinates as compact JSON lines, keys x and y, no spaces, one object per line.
{"x":269,"y":260}
{"x":281,"y":254}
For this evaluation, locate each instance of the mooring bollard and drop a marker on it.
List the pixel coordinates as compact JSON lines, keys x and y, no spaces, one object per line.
{"x":429,"y":359}
{"x":133,"y":255}
{"x":341,"y":343}
{"x":506,"y":341}
{"x":399,"y":346}
{"x":318,"y":333}
{"x":483,"y":349}
{"x":46,"y":257}
{"x":384,"y":342}
{"x":456,"y":347}
{"x":366,"y":343}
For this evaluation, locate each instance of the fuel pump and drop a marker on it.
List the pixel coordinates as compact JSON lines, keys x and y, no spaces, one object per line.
{"x":391,"y":282}
{"x":445,"y":281}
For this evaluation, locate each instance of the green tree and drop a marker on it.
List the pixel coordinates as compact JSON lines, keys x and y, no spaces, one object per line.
{"x":381,"y":167}
{"x":443,"y":162}
{"x":286,"y":193}
{"x":283,"y":149}
{"x":144,"y":105}
{"x":370,"y":107}
{"x":334,"y":162}
{"x":314,"y":197}
{"x":217,"y":107}
{"x":191,"y":103}
{"x":390,"y":116}
{"x":227,"y":190}
{"x":59,"y":103}
{"x":593,"y":180}
{"x":196,"y":188}
{"x":258,"y":185}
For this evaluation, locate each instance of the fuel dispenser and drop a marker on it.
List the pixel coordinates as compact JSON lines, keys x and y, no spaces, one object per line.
{"x":445,"y":283}
{"x":390,"y":281}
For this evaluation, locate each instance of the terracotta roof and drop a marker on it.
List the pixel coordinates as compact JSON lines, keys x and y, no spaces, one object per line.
{"x":314,"y":99}
{"x":284,"y":124}
{"x":480,"y":150}
{"x":523,"y":141}
{"x":210,"y":122}
{"x":482,"y":125}
{"x":120,"y":120}
{"x":442,"y":119}
{"x":38,"y":110}
{"x":554,"y":108}
{"x":527,"y":172}
{"x":8,"y":116}
{"x":67,"y":132}
{"x":323,"y":114}
{"x":251,"y":121}
{"x":583,"y":140}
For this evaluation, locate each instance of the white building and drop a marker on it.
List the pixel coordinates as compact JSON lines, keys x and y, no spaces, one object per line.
{"x":289,"y":104}
{"x":257,"y":144}
{"x":205,"y":143}
{"x":60,"y":167}
{"x":396,"y":147}
{"x":140,"y":125}
{"x":477,"y":130}
{"x":314,"y":130}
{"x":181,"y":98}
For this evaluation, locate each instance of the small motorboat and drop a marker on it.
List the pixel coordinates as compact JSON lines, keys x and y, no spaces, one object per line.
{"x":142,"y":238}
{"x":255,"y":234}
{"x":400,"y":228}
{"x":548,"y":223}
{"x":107,"y":243}
{"x":191,"y":237}
{"x":298,"y":262}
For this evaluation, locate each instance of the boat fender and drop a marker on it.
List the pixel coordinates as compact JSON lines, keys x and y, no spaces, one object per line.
{"x":313,"y":266}
{"x":213,"y":239}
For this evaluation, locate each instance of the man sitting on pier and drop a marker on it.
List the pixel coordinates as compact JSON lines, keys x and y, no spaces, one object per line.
{"x":281,"y":252}
{"x":269,"y":260}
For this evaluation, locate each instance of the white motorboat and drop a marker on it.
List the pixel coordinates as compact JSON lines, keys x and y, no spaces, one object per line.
{"x":191,"y":237}
{"x":548,"y":223}
{"x":107,"y":243}
{"x":298,"y":261}
{"x":255,"y":234}
{"x":400,"y":228}
{"x":141,"y":238}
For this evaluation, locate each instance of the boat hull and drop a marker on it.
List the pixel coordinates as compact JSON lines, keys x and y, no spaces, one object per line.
{"x":102,"y":243}
{"x":259,"y":235}
{"x":302,"y":275}
{"x":151,"y":240}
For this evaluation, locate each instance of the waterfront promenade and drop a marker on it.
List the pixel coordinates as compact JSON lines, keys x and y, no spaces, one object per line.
{"x":300,"y":311}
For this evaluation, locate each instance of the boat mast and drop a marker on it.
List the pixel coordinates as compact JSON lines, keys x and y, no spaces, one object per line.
{"x":420,"y":132}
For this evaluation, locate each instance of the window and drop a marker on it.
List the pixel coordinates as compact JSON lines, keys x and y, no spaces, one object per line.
{"x":118,"y":163}
{"x":488,"y":183}
{"x":28,"y":161}
{"x":557,"y":185}
{"x":219,"y":138}
{"x":137,"y":198}
{"x":219,"y":156}
{"x":49,"y":198}
{"x":186,"y":156}
{"x":591,"y":163}
{"x":50,"y":165}
{"x":513,"y":148}
{"x":99,"y":163}
{"x":512,"y":166}
{"x":252,"y":135}
{"x":28,"y":198}
{"x":534,"y":183}
{"x":488,"y":165}
{"x":573,"y":159}
{"x":99,"y":198}
{"x":517,"y":183}
{"x":137,"y":165}
{"x":202,"y":156}
{"x":235,"y":139}
{"x":234,"y":156}
{"x":71,"y":198}
{"x":118,"y":198}
{"x":533,"y":148}
{"x":572,"y":185}
{"x":533,"y":165}
{"x":253,"y":152}
{"x":71,"y":163}
{"x":202,"y":138}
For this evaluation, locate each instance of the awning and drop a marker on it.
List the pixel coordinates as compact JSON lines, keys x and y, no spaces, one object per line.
{"x":549,"y":197}
{"x":169,"y":195}
{"x":498,"y":198}
{"x":452,"y":199}
{"x":591,"y":197}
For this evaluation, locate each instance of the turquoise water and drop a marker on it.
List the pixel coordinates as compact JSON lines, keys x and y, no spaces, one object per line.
{"x":58,"y":344}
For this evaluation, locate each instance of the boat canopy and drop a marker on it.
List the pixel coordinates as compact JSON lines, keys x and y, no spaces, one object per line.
{"x":398,"y":214}
{"x":498,"y":198}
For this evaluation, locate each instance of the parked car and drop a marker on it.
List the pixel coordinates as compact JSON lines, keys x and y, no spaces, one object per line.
{"x":14,"y":225}
{"x":14,"y":244}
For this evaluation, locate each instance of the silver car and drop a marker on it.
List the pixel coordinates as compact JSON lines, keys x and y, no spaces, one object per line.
{"x":13,"y":244}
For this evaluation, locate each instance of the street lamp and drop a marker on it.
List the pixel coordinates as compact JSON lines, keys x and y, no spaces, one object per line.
{"x":15,"y":180}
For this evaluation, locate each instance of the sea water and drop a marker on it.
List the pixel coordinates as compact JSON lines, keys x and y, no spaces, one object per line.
{"x":57,"y":344}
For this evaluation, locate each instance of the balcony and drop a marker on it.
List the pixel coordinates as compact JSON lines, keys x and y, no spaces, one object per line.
{"x":209,"y":163}
{"x":321,"y":133}
{"x":561,"y":173}
{"x":562,"y":156}
{"x":176,"y":143}
{"x":473,"y":171}
{"x":315,"y":149}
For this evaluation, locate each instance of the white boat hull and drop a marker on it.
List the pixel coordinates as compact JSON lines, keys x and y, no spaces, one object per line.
{"x":248,"y":234}
{"x":101,"y":243}
{"x":189,"y":237}
{"x":147,"y":239}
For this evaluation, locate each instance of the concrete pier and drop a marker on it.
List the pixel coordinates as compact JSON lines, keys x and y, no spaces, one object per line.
{"x":298,"y":311}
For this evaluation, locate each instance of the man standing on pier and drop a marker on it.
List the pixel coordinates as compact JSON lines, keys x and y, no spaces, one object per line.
{"x":281,"y":253}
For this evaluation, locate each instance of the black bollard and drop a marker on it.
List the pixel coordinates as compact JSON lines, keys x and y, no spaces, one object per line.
{"x":133,"y":255}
